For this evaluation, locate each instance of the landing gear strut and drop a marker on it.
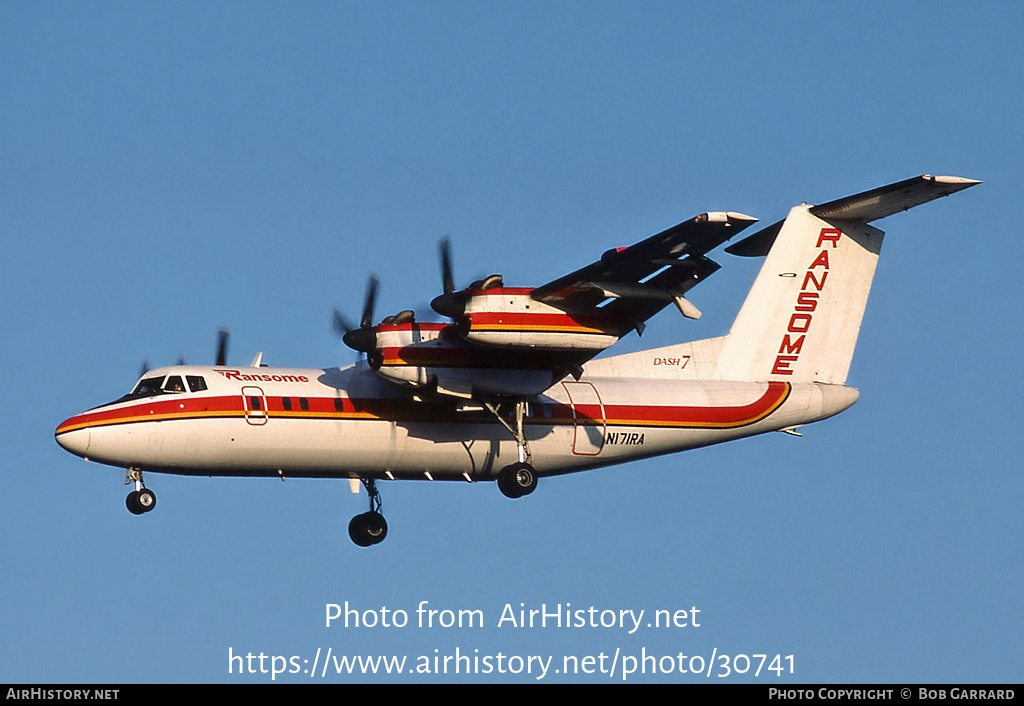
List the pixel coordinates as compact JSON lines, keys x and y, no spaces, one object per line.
{"x":142,"y":499}
{"x":520,"y":478}
{"x":369,"y":528}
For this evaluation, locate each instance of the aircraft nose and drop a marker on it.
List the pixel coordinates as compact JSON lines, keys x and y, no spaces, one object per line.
{"x":74,"y":440}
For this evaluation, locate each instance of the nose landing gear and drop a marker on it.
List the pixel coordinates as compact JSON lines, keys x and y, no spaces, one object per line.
{"x":142,"y":499}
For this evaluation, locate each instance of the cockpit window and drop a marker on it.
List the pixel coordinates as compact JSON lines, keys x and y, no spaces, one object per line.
{"x":147,"y":387}
{"x":161,"y":385}
{"x":174,"y":384}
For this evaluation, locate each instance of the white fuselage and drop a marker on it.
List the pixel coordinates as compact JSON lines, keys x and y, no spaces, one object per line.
{"x":349,"y":423}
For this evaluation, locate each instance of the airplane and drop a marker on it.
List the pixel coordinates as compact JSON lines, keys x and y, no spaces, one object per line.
{"x":511,"y":389}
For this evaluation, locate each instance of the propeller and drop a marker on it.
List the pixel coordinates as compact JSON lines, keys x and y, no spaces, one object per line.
{"x":447,"y":280}
{"x":222,"y":353}
{"x":362,"y":338}
{"x":450,"y":304}
{"x":222,"y":347}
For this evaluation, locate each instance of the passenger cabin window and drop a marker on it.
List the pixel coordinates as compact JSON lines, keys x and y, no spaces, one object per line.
{"x":196,"y":383}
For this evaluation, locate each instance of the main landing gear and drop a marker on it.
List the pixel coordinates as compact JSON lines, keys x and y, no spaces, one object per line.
{"x":142,"y":499}
{"x":520,"y":478}
{"x":517,"y":480}
{"x":369,"y":528}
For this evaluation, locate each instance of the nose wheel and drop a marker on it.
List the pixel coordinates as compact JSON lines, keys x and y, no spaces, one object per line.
{"x":142,"y":499}
{"x":369,"y":528}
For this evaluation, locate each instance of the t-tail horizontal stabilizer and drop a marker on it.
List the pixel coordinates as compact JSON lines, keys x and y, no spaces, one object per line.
{"x":864,"y":207}
{"x":800,"y":321}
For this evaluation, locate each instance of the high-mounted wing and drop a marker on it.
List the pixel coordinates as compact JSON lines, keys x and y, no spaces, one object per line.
{"x":517,"y":341}
{"x":622,"y":274}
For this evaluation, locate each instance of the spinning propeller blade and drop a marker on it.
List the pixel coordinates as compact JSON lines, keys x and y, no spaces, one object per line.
{"x":340,"y":324}
{"x":371,"y":299}
{"x":363,"y":338}
{"x":447,"y":280}
{"x":222,"y":353}
{"x":222,"y":347}
{"x":449,"y":304}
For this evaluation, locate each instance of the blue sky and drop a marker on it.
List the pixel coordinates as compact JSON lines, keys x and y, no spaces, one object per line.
{"x":169,"y":168}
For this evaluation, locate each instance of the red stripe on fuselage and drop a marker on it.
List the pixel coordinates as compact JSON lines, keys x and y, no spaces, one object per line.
{"x":702,"y":417}
{"x":185,"y":408}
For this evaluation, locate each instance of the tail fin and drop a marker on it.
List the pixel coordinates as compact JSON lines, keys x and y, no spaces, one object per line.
{"x":800,"y":320}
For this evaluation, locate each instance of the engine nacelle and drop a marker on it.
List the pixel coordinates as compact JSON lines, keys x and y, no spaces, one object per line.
{"x":432,"y":357}
{"x":509,"y":317}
